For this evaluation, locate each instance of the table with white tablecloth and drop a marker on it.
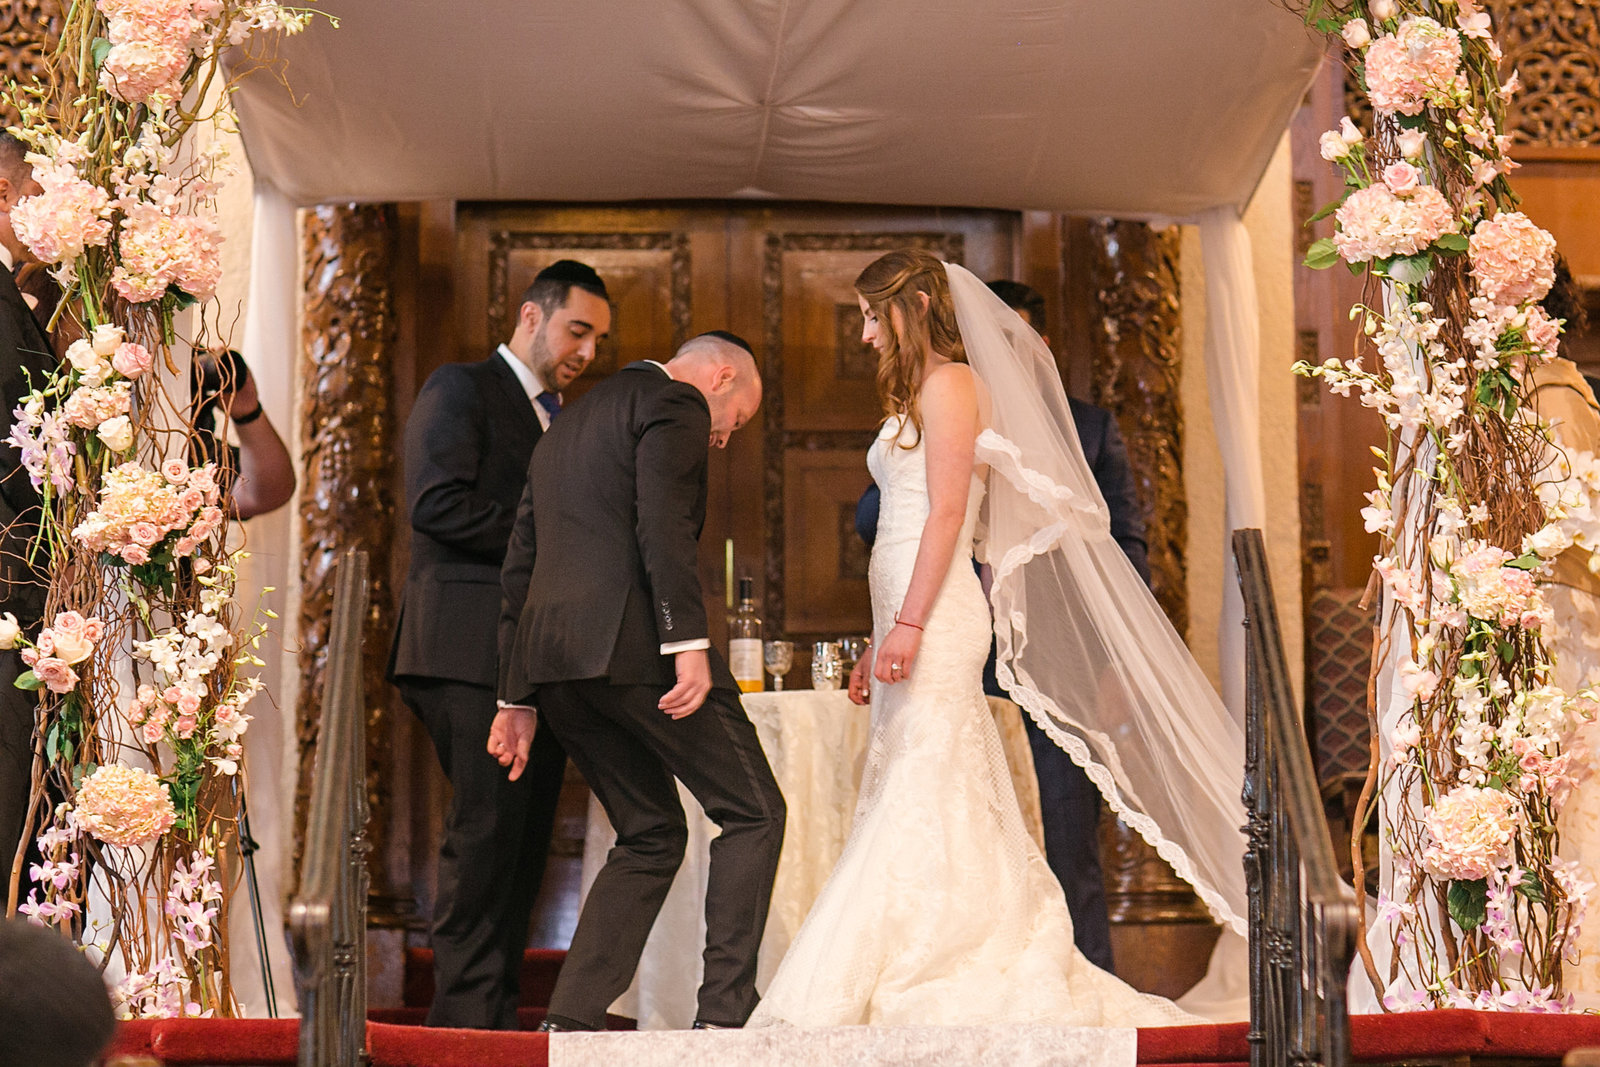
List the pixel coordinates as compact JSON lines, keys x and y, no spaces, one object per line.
{"x":816,"y":742}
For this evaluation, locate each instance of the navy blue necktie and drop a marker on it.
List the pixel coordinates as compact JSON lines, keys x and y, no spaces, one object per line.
{"x":551,"y":402}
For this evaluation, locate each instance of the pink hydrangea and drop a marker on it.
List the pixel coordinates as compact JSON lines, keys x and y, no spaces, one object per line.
{"x":68,"y":216}
{"x":1513,"y":260}
{"x":1374,"y":223}
{"x":152,"y":42}
{"x":160,"y":249}
{"x":1471,"y":831}
{"x":1418,"y":64}
{"x":124,"y":806}
{"x":138,"y":508}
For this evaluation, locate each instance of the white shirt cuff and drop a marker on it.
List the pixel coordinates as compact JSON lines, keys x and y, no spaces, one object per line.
{"x":507,"y":706}
{"x":672,"y":648}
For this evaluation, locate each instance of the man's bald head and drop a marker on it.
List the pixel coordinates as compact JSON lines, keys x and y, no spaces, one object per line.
{"x":722,"y":366}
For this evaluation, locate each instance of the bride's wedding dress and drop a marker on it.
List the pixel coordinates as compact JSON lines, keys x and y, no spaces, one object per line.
{"x":941,"y":909}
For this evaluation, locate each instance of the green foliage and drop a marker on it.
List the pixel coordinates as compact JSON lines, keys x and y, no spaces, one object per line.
{"x":1468,"y":903}
{"x":1322,"y":254}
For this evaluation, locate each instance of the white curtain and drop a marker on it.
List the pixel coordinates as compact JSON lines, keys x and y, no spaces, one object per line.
{"x":269,"y":345}
{"x":1233,"y":375}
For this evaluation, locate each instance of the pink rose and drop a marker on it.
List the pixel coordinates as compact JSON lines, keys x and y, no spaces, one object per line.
{"x":184,"y":726}
{"x":174,"y":471}
{"x":1401,"y":178}
{"x":203,"y":479}
{"x":185,"y":546}
{"x":152,"y":731}
{"x":69,"y":622}
{"x":188,"y":703}
{"x":55,"y":674}
{"x":135,"y":554}
{"x":45,"y":645}
{"x":131,"y":360}
{"x":192,"y":500}
{"x":93,"y":628}
{"x":144,"y":533}
{"x":1542,"y":330}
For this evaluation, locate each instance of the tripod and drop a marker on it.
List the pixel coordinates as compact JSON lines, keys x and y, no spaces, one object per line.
{"x":247,"y":849}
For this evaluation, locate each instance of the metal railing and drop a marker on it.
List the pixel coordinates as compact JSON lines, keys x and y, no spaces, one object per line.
{"x":327,"y":918}
{"x":1302,"y":914}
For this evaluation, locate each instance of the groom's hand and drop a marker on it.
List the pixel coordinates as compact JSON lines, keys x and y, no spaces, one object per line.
{"x":510,"y":736}
{"x":694,"y":682}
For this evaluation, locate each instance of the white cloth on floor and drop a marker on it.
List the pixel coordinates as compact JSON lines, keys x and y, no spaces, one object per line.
{"x":854,"y":1046}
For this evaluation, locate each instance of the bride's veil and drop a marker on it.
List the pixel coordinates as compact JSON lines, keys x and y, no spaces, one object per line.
{"x":1083,"y":645}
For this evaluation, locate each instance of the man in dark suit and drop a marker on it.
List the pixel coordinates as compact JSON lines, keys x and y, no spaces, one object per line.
{"x":24,"y":351}
{"x":467,"y":446}
{"x":603,"y":629}
{"x":1069,"y":803}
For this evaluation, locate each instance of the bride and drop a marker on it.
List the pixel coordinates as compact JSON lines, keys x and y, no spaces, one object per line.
{"x":941,"y":908}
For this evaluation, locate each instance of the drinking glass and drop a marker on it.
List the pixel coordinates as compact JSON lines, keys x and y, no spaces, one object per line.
{"x":826,"y":666}
{"x":852,"y":648}
{"x":779,"y":657}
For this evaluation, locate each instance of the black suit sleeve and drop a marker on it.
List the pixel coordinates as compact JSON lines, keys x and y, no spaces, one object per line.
{"x":445,"y":443}
{"x":515,"y":574}
{"x":1114,"y":476}
{"x":671,"y":458}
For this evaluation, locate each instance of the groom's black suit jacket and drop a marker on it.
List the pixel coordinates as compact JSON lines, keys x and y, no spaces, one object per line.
{"x":23,"y":348}
{"x":601,"y":569}
{"x":467,"y":447}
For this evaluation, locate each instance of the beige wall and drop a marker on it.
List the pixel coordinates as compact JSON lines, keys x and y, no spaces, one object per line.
{"x":1269,"y":222}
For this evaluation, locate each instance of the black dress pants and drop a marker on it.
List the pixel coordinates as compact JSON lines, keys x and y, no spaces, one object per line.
{"x":630,"y":752}
{"x":17,"y":710}
{"x":496,"y":840}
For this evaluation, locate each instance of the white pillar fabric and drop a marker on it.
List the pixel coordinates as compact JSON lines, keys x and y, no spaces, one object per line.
{"x":269,"y":346}
{"x":1233,"y":377}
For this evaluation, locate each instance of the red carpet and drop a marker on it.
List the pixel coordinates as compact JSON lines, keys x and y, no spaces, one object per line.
{"x":1374,"y":1039}
{"x":395,"y":1037}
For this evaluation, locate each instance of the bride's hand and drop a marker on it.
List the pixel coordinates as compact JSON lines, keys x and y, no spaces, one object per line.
{"x":861,"y":680}
{"x":897,"y":653}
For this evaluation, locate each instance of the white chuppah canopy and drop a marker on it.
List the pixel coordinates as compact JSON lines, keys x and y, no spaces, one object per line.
{"x":1131,"y":108}
{"x":1115,"y":107}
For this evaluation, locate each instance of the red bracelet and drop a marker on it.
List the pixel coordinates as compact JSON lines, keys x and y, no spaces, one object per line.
{"x":898,"y":621}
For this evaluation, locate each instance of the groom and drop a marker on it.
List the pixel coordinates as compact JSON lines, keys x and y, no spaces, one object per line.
{"x":603,"y":629}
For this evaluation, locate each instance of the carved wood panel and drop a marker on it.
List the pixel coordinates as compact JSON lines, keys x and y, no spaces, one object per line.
{"x":648,"y":276}
{"x":29,"y":30}
{"x":347,"y":446}
{"x":1135,"y":371}
{"x":822,"y":410}
{"x":1554,"y":45}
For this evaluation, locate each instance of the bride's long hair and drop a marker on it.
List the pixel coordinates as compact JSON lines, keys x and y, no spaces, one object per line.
{"x":893,"y":281}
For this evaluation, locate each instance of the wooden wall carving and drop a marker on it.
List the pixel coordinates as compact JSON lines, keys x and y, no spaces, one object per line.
{"x":801,"y":447}
{"x":347,"y":447}
{"x":29,"y":30}
{"x":1554,"y":45}
{"x":1136,"y":371}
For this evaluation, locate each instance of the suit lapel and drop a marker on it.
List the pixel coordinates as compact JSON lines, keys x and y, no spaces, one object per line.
{"x":515,"y":402}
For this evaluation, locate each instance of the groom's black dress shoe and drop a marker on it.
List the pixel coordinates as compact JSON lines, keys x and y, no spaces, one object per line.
{"x":701,"y":1024}
{"x":561,"y":1025}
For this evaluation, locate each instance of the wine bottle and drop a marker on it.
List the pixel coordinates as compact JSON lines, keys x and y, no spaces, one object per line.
{"x":744,"y":642}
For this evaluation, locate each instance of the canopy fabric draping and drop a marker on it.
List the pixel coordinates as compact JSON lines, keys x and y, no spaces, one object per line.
{"x":1135,"y":108}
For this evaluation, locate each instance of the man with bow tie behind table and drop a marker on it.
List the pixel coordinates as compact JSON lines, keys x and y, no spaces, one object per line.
{"x":467,"y":446}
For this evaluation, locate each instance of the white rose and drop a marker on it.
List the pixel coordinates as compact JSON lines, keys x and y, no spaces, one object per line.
{"x":1350,"y":131}
{"x":82,"y":356}
{"x":116,"y":433}
{"x":1333,"y":146}
{"x":1356,"y":34}
{"x":72,"y":648}
{"x":9,"y":631}
{"x":106,"y":339}
{"x":1548,"y":543}
{"x":1383,"y":10}
{"x":1411,"y":143}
